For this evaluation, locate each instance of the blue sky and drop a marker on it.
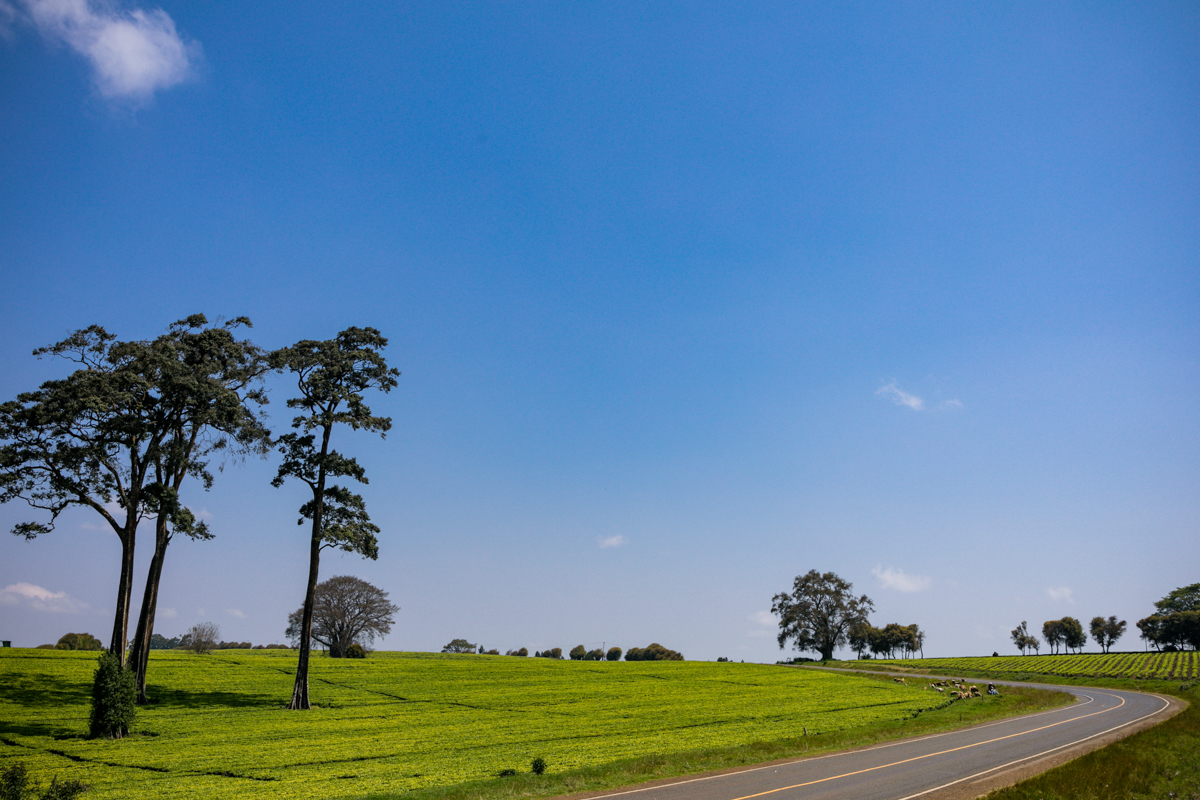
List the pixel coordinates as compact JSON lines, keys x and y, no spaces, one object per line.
{"x":688,"y":299}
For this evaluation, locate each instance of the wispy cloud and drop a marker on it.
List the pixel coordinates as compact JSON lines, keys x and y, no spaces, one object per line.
{"x":40,"y":599}
{"x":763,"y":617}
{"x":133,"y":52}
{"x":1061,"y":594}
{"x":899,"y":580}
{"x":233,"y":612}
{"x":8,"y":19}
{"x":612,"y":541}
{"x":901,"y":397}
{"x":166,"y":613}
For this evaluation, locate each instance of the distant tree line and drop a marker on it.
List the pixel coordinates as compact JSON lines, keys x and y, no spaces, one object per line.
{"x":1175,"y":625}
{"x":654,"y":652}
{"x":888,"y":641}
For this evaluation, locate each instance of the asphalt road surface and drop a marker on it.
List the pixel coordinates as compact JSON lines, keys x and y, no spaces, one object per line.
{"x":958,"y":764}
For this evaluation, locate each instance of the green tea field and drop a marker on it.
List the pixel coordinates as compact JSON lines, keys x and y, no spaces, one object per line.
{"x":399,"y":721}
{"x":1143,"y":666}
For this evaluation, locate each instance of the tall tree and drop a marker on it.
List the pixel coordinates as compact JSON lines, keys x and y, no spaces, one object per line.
{"x":331,"y":376}
{"x":1073,"y":636}
{"x":89,"y":440}
{"x":209,"y":385}
{"x":1022,"y":639}
{"x":817,"y":615}
{"x":1105,"y":632}
{"x":1054,"y":633}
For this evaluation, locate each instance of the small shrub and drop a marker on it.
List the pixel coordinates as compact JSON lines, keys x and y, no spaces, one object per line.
{"x":356,"y":651}
{"x":13,"y":782}
{"x":14,"y":785}
{"x":113,"y":699}
{"x":538,"y":766}
{"x":67,"y":790}
{"x":506,"y":773}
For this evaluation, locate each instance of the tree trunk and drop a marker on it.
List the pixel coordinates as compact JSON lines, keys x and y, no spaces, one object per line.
{"x":120,"y":633}
{"x":139,"y":653}
{"x":300,"y":701}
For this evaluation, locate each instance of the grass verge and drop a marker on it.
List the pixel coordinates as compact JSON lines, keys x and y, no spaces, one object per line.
{"x":1160,"y":762}
{"x":632,"y":772}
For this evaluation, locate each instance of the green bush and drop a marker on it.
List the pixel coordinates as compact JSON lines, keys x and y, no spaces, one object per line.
{"x":13,"y":782}
{"x":113,"y":699}
{"x":14,"y":785}
{"x":655,"y":652}
{"x":79,"y":641}
{"x":538,"y":766}
{"x":356,"y":651}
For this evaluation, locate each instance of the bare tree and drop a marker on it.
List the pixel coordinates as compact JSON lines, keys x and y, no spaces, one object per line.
{"x":346,"y":610}
{"x":202,"y":637}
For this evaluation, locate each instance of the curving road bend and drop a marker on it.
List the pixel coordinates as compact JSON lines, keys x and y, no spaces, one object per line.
{"x":946,"y":766}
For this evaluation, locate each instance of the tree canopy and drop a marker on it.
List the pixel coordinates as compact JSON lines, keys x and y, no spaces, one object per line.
{"x":346,"y":611}
{"x":89,"y":440}
{"x":818,"y":613}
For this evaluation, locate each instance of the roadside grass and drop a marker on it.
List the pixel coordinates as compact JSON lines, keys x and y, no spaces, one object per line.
{"x":1160,"y":762}
{"x":628,"y":773}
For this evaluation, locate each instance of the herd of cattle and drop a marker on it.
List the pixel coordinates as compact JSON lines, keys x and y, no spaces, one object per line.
{"x":959,"y":689}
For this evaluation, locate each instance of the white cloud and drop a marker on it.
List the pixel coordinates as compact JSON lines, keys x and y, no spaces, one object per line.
{"x":1061,"y":594}
{"x":612,"y":541}
{"x":40,"y":599}
{"x":166,"y":613}
{"x":763,"y":617}
{"x":133,"y":53}
{"x":901,"y":397}
{"x":951,"y":404}
{"x":899,"y":580}
{"x":233,"y":612}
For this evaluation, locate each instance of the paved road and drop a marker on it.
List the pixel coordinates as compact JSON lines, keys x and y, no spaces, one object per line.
{"x":961,"y":763}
